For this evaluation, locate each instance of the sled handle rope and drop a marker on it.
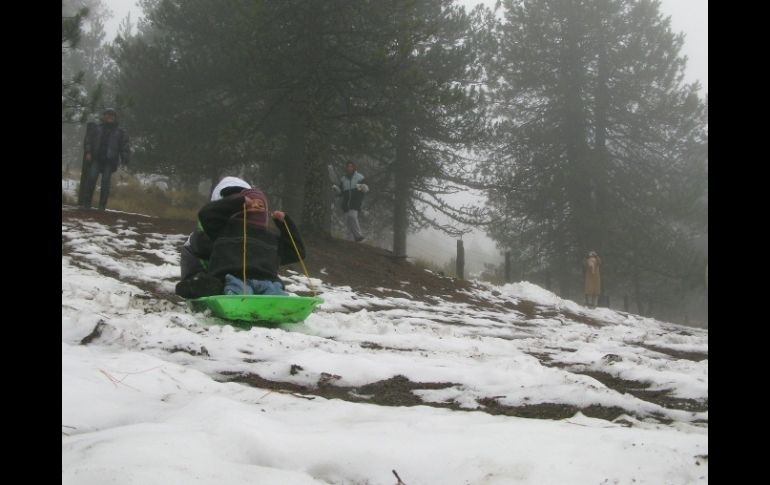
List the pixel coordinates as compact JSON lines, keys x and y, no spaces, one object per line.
{"x":310,"y":283}
{"x":244,"y":248}
{"x":294,"y":244}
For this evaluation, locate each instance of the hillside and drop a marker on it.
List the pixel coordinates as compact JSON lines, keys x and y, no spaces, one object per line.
{"x":444,"y":381}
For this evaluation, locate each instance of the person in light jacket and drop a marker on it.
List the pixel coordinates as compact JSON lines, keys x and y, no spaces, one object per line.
{"x":352,"y":189}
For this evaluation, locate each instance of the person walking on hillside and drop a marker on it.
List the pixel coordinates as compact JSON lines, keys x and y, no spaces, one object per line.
{"x":352,"y":189}
{"x":593,"y":282}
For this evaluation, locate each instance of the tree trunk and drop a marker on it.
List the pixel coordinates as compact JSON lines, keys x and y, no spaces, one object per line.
{"x":316,"y":211}
{"x":574,"y":130}
{"x":600,"y":165}
{"x":294,"y":173}
{"x":402,"y":193}
{"x":638,"y":293}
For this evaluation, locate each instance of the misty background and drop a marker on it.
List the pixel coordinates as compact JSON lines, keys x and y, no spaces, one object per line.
{"x":540,"y":128}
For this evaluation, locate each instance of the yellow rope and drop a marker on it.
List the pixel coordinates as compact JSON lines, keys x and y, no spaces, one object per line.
{"x":300,"y":257}
{"x":244,"y":247}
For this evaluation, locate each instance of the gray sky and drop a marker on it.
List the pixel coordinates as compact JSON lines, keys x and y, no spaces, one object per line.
{"x":120,"y":8}
{"x":688,"y":16}
{"x":692,"y":18}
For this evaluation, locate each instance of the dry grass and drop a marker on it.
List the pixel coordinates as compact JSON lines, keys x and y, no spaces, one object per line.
{"x":424,"y":264}
{"x":129,"y":195}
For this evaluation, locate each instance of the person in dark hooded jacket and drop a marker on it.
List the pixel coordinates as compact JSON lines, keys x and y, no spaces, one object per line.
{"x":267,"y":238}
{"x":105,"y":145}
{"x":241,"y":222}
{"x":195,"y":253}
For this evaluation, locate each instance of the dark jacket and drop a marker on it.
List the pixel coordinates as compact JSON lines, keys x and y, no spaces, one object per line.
{"x":352,"y":198}
{"x":195,"y":252}
{"x":107,"y":145}
{"x":266,"y":248}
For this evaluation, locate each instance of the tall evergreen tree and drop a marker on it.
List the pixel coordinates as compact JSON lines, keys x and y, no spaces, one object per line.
{"x":598,"y":137}
{"x":85,"y":62}
{"x":73,"y":96}
{"x":296,"y":85}
{"x":434,"y":109}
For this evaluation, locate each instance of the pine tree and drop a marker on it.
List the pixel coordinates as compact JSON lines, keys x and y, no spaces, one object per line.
{"x":599,"y":138}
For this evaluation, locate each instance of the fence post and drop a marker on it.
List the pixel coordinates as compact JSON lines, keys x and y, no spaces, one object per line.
{"x":460,"y":269}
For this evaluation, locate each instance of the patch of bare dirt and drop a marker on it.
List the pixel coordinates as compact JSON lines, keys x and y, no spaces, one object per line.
{"x":677,"y":354}
{"x":398,"y":391}
{"x":641,"y":390}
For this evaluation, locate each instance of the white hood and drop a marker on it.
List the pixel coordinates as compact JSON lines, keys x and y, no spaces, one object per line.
{"x":228,"y":182}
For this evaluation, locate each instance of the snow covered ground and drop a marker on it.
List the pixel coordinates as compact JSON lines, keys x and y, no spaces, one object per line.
{"x":151,"y":396}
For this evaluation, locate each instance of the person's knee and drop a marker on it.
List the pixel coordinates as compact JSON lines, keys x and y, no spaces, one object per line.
{"x":277,"y":288}
{"x":234,"y":286}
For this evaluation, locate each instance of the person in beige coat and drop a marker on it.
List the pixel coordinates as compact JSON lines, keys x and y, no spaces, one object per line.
{"x":593,"y":284}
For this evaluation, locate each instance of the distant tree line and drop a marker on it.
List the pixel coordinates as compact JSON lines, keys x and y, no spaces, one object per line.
{"x":571,"y":116}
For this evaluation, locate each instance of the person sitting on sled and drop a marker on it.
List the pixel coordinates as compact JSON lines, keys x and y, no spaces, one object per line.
{"x":266,"y":238}
{"x":196,"y":251}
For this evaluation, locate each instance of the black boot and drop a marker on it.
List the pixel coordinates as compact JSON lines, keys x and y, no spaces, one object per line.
{"x":200,"y":285}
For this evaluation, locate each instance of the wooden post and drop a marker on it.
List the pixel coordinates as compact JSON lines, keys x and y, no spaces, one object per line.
{"x":460,"y":269}
{"x":507,"y":267}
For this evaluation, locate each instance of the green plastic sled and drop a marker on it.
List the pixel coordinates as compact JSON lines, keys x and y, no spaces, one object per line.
{"x":258,"y":309}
